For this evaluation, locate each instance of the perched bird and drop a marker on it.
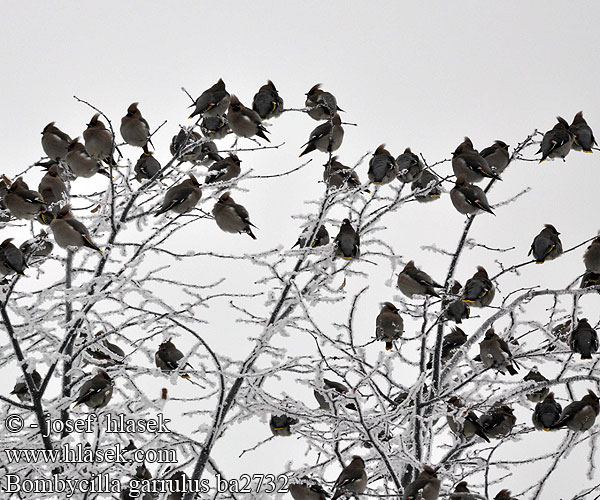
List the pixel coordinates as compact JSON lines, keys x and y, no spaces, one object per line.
{"x":546,"y":413}
{"x":11,"y":259}
{"x":188,"y":145}
{"x":580,"y":415}
{"x":243,"y":121}
{"x":232,"y":217}
{"x":55,"y":142}
{"x":382,"y":166}
{"x":99,"y":141}
{"x":23,"y":202}
{"x":105,"y":350}
{"x":498,"y":422}
{"x":40,"y":246}
{"x":546,"y":245}
{"x":324,"y":103}
{"x":22,"y":391}
{"x":557,"y":142}
{"x":425,"y":487}
{"x":146,"y":167}
{"x":583,"y":137}
{"x":339,"y":175}
{"x":214,"y":127}
{"x":497,"y":156}
{"x":457,"y":310}
{"x":213,"y":101}
{"x":177,"y":485}
{"x":307,"y":490}
{"x":413,"y":281}
{"x":584,"y":339}
{"x":591,"y":257}
{"x":321,"y":238}
{"x":450,"y":344}
{"x":4,"y":212}
{"x":535,"y":376}
{"x":182,"y":197}
{"x":97,"y":391}
{"x":69,"y":232}
{"x":167,"y":358}
{"x":590,"y":278}
{"x":410,"y":166}
{"x":135,"y":129}
{"x":267,"y":102}
{"x":461,"y":492}
{"x":504,"y":495}
{"x":280,"y":425}
{"x":479,"y":290}
{"x":495,"y":353}
{"x":352,"y":480}
{"x":81,"y":163}
{"x":426,"y":187}
{"x":463,"y":422}
{"x":469,"y":199}
{"x":332,"y":391}
{"x":327,"y":137}
{"x":52,"y":187}
{"x":224,"y":170}
{"x":389,"y":325}
{"x":347,"y":242}
{"x":468,"y":163}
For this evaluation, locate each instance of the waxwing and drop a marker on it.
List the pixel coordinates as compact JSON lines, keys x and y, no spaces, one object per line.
{"x":99,"y":141}
{"x":479,"y":290}
{"x":591,"y":257}
{"x":146,"y":167}
{"x":463,"y":422}
{"x":324,"y":103}
{"x":40,"y":246}
{"x":232,"y":217}
{"x":583,"y":137}
{"x":332,"y":391}
{"x":584,"y":339}
{"x":213,"y":101}
{"x":469,"y":199}
{"x":54,"y":142}
{"x":106,"y":351}
{"x":461,"y":492}
{"x":389,"y":325}
{"x":468,"y":163}
{"x":320,"y":239}
{"x":427,"y":483}
{"x":97,"y":391}
{"x":339,"y":175}
{"x":413,"y":281}
{"x":457,"y":310}
{"x":497,"y":156}
{"x":69,"y":232}
{"x":580,"y":415}
{"x":557,"y":142}
{"x":177,"y":488}
{"x":546,"y":245}
{"x":167,"y":358}
{"x":495,"y":353}
{"x":535,"y":376}
{"x":347,"y":242}
{"x":243,"y":121}
{"x":267,"y":102}
{"x":52,"y":187}
{"x":280,"y":425}
{"x":498,"y":422}
{"x":224,"y":170}
{"x":182,"y":197}
{"x":22,"y":391}
{"x":450,"y":344}
{"x":307,"y":490}
{"x":4,"y":212}
{"x":11,"y":259}
{"x":504,"y":495}
{"x":410,"y":166}
{"x":327,"y":137}
{"x":546,"y":413}
{"x":188,"y":145}
{"x":352,"y":480}
{"x":426,"y":187}
{"x":135,"y":129}
{"x":81,"y":163}
{"x":382,"y":166}
{"x":214,"y":127}
{"x":23,"y":202}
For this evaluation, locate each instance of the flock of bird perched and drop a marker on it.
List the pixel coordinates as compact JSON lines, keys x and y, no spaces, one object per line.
{"x":219,"y":114}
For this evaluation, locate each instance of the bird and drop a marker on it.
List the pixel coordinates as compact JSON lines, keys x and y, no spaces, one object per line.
{"x":495,"y":353}
{"x":327,"y":137}
{"x":584,"y":339}
{"x":243,"y":121}
{"x":347,"y":242}
{"x":177,"y":486}
{"x":461,"y":492}
{"x":504,"y":495}
{"x":450,"y":344}
{"x":224,"y":170}
{"x":146,"y":167}
{"x":546,"y":245}
{"x":104,"y":350}
{"x":389,"y":325}
{"x":22,"y":391}
{"x":22,"y":202}
{"x":11,"y":259}
{"x":69,"y":232}
{"x":213,"y":101}
{"x":338,"y":175}
{"x":99,"y":141}
{"x":469,"y":199}
{"x":457,"y":310}
{"x":135,"y":129}
{"x":580,"y":415}
{"x":189,"y":146}
{"x":97,"y":391}
{"x":427,"y":483}
{"x":535,"y":376}
{"x":167,"y":358}
{"x":81,"y":163}
{"x":410,"y":166}
{"x":331,"y":391}
{"x":583,"y":137}
{"x":546,"y":413}
{"x":307,"y":490}
{"x":467,"y":162}
{"x":497,"y":156}
{"x":463,"y":422}
{"x":53,"y":190}
{"x":413,"y":281}
{"x":479,"y":290}
{"x":498,"y":422}
{"x":40,"y":246}
{"x":4,"y":212}
{"x":352,"y":480}
{"x":427,"y":187}
{"x":324,"y":103}
{"x":232,"y":217}
{"x":182,"y":197}
{"x":382,"y":166}
{"x":557,"y":142}
{"x":280,"y":425}
{"x":321,"y":237}
{"x":591,"y":257}
{"x":267,"y":102}
{"x":55,"y":142}
{"x":214,"y":127}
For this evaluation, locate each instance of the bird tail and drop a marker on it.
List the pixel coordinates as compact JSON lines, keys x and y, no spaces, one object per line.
{"x":249,"y":232}
{"x":310,"y":147}
{"x":261,"y":133}
{"x":511,"y":370}
{"x":389,"y":346}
